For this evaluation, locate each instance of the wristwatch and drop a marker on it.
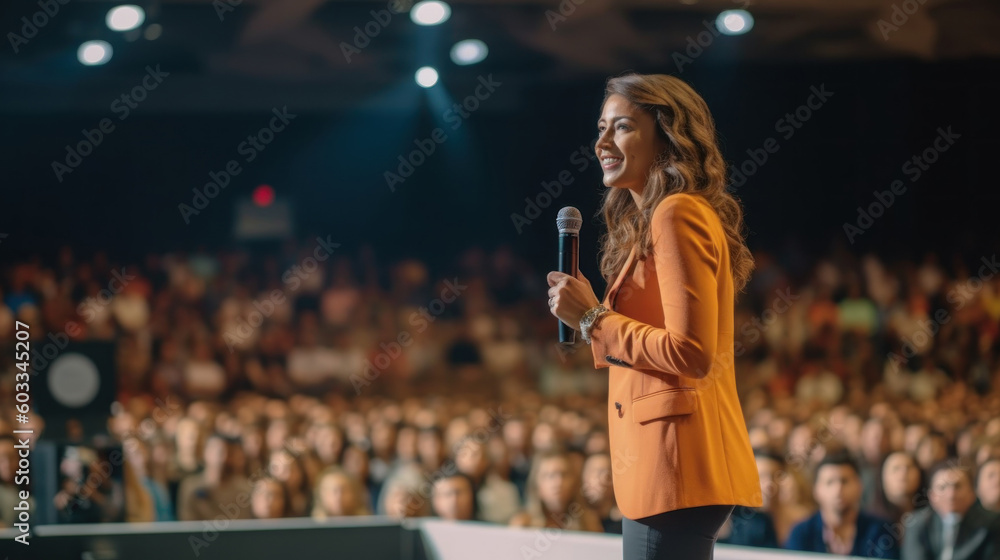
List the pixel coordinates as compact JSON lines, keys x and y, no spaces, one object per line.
{"x":588,"y":320}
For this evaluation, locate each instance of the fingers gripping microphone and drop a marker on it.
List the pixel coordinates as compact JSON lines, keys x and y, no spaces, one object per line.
{"x":568,"y":221}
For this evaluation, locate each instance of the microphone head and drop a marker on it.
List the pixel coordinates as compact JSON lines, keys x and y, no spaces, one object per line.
{"x":569,"y":220}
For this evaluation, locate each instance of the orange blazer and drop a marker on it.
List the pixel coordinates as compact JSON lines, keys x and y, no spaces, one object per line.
{"x":677,"y":433}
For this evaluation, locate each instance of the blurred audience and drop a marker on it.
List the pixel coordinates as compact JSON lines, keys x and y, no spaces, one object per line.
{"x":392,"y":388}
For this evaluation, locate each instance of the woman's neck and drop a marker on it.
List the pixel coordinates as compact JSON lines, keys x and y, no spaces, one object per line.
{"x":904,"y":503}
{"x":636,"y":196}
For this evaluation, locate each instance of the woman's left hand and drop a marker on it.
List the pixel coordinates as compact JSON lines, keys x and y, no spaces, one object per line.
{"x":569,"y":297}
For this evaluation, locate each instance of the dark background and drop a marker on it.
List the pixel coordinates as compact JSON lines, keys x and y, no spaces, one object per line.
{"x":353,"y":120}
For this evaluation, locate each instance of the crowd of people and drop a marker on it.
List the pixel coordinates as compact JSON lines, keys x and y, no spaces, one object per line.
{"x":306,"y":382}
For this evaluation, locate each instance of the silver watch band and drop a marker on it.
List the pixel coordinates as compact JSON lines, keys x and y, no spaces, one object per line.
{"x":588,"y":320}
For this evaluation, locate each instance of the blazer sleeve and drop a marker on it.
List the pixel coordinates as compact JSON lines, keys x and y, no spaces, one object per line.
{"x":687,"y":262}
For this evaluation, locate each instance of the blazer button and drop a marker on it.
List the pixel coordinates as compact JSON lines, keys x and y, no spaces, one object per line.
{"x":618,"y":405}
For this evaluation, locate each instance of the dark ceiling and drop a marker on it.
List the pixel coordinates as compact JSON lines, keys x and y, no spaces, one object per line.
{"x":236,"y":55}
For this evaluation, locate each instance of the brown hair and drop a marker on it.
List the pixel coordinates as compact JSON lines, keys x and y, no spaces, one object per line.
{"x":692,"y":163}
{"x":535,"y":511}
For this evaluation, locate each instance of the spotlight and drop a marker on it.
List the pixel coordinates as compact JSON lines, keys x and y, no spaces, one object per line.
{"x":93,"y":53}
{"x":430,"y":12}
{"x":125,"y":18}
{"x":734,"y":22}
{"x":427,"y":76}
{"x":469,"y":51}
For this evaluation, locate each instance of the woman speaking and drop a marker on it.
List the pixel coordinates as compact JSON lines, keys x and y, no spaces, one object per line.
{"x":674,"y":257}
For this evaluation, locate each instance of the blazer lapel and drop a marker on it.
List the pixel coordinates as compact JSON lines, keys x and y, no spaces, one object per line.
{"x":971,"y":534}
{"x":613,"y":291}
{"x":935,"y":535}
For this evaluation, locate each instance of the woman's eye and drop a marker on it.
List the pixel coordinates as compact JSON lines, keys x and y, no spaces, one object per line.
{"x":623,"y":127}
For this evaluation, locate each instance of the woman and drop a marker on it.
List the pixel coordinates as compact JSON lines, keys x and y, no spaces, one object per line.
{"x":338,"y":494}
{"x":598,"y":492}
{"x":900,"y":488}
{"x":674,"y":258}
{"x":269,"y":499}
{"x":288,"y":469}
{"x":554,"y":497}
{"x":209,"y":493}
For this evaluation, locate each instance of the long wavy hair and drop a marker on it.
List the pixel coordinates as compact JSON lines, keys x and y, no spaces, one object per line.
{"x":692,"y":163}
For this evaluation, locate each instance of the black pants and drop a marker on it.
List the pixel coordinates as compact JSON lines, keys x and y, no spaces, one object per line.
{"x":683,"y":534}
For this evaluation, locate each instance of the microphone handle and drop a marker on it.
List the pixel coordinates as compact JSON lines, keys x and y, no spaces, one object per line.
{"x":569,"y":260}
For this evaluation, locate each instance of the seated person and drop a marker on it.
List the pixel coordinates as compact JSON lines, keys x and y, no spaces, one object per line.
{"x":453,"y":497}
{"x":555,"y":498}
{"x":599,"y":492}
{"x":988,"y":485}
{"x":268,"y":499}
{"x":749,"y":526}
{"x":338,"y":494}
{"x":953,"y":526}
{"x":840,"y":527}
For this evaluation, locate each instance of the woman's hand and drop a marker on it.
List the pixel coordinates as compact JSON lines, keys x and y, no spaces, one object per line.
{"x":569,"y":297}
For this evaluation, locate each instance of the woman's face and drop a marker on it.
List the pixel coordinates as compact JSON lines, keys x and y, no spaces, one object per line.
{"x":988,"y":487}
{"x":555,"y":483}
{"x":284,"y":468}
{"x":215,"y":452}
{"x":267,"y":500}
{"x":356,"y":463}
{"x":337,"y":495}
{"x":471,"y":459}
{"x":597,"y":478}
{"x":767,"y":469}
{"x":452,"y":499}
{"x":328,"y":444}
{"x":900,"y":476}
{"x":627,"y":143}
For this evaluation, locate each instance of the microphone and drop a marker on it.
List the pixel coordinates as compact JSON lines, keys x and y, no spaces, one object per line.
{"x":568,"y":221}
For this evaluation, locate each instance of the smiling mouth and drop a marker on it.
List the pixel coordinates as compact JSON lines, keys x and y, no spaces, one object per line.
{"x":609,"y":163}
